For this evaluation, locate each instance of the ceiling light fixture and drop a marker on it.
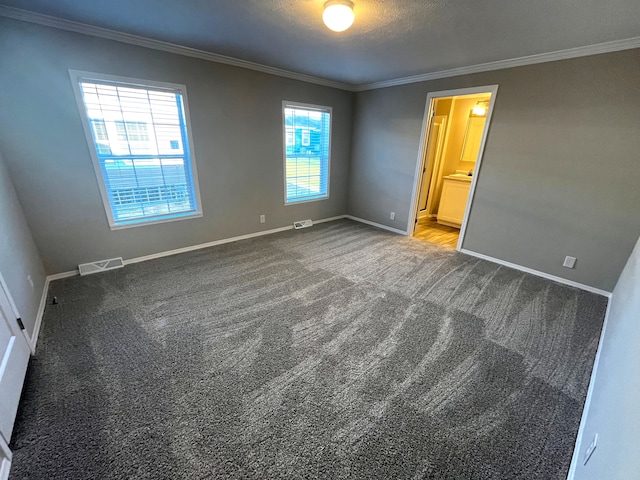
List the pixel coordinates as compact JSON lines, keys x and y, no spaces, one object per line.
{"x":338,"y":15}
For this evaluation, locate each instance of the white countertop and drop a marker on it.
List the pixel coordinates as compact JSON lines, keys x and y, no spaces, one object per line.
{"x":459,"y":176}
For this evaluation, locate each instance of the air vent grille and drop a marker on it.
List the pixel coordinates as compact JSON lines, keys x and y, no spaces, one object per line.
{"x":303,"y":224}
{"x":100,"y":266}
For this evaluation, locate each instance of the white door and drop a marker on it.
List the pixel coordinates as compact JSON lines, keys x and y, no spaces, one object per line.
{"x":14,"y":357}
{"x":435,"y":186}
{"x":434,"y":152}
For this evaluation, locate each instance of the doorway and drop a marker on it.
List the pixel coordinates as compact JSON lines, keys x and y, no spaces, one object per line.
{"x":454,"y":132}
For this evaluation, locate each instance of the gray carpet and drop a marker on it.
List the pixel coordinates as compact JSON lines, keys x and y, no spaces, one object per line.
{"x":337,"y":352}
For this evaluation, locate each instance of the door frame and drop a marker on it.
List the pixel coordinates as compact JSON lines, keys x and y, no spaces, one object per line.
{"x":439,"y":152}
{"x":426,"y":127}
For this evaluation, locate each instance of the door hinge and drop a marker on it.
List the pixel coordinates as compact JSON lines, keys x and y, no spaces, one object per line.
{"x":20,"y":324}
{"x":416,"y":221}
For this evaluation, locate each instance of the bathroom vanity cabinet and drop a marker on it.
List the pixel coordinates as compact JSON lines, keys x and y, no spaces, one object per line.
{"x":453,"y":200}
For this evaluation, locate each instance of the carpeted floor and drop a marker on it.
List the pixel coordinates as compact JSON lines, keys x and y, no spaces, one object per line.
{"x":335,"y":352}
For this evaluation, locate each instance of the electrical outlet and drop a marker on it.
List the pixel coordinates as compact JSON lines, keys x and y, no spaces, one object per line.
{"x":30,"y":280}
{"x":590,"y":449}
{"x":392,"y":216}
{"x":569,"y":262}
{"x":263,"y":219}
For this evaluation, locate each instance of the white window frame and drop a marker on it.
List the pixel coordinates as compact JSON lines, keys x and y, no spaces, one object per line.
{"x":308,"y":106}
{"x":76,"y":75}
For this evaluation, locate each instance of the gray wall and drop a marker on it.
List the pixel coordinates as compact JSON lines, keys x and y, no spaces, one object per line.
{"x":19,"y":256}
{"x":613,"y":412}
{"x":236,"y":117}
{"x":560,"y":172}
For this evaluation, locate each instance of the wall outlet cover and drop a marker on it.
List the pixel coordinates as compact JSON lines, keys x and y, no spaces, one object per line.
{"x":392,"y":216}
{"x":569,"y":262}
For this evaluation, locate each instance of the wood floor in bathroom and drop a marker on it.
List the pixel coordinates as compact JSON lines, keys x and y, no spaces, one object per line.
{"x":431,"y":231}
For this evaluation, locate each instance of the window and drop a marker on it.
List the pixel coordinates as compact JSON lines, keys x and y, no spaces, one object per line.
{"x":140,"y":143}
{"x":307,"y":131}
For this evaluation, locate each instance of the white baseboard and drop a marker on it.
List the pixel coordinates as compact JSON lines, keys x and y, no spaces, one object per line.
{"x":221,"y":242}
{"x":548,"y":276}
{"x":205,"y":245}
{"x":167,"y":253}
{"x":61,"y":275}
{"x":330,"y":219}
{"x":587,"y":403}
{"x":58,"y":276}
{"x":585,"y":412}
{"x":374,"y":224}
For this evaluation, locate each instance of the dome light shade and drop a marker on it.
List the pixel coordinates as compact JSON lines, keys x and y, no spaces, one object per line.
{"x":338,"y":15}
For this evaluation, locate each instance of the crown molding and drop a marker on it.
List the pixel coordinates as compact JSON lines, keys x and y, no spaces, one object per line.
{"x":606,"y":47}
{"x":71,"y":26}
{"x":55,"y":22}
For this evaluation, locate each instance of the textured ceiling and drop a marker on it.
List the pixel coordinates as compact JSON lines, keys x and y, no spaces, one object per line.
{"x":389,"y":39}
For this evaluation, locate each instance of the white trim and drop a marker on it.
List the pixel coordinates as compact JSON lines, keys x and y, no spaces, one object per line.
{"x":300,"y":202}
{"x":205,"y":245}
{"x":438,"y":161}
{"x":330,"y":219}
{"x":420,"y":163}
{"x":426,"y":130}
{"x":62,"y":24}
{"x":476,"y":170}
{"x":5,"y":287}
{"x":317,"y":108}
{"x":75,"y":76}
{"x":61,"y":275}
{"x":587,"y":403}
{"x":5,"y":463}
{"x":33,"y":340}
{"x":374,"y":224}
{"x":71,"y":26}
{"x":538,"y":273}
{"x":142,"y":223}
{"x":585,"y":51}
{"x":72,"y":273}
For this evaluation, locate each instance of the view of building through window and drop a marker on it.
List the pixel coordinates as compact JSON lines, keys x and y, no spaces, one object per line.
{"x":140,"y":138}
{"x":307,"y":151}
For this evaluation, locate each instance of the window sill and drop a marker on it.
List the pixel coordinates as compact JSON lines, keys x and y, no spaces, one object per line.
{"x":288,"y":204}
{"x":143,"y":223}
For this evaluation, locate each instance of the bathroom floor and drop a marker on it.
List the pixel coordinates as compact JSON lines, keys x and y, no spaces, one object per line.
{"x":431,"y":231}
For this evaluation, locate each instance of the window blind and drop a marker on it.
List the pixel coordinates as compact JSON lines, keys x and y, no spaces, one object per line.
{"x":307,"y":147}
{"x":141,"y":141}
